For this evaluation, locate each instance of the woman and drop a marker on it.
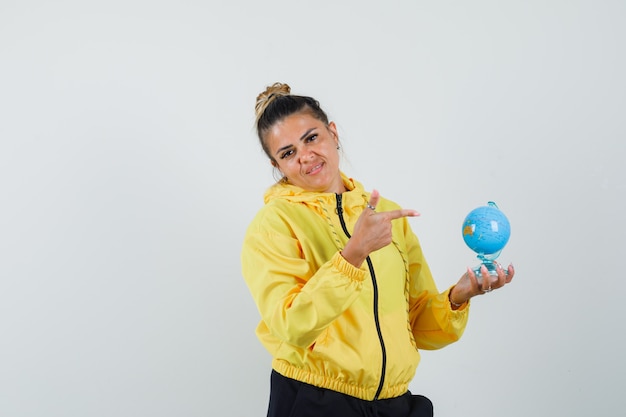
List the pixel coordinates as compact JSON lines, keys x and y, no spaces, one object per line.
{"x":345,"y":295}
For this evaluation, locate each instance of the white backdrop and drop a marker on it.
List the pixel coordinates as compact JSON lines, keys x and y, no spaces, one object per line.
{"x":129,"y":170}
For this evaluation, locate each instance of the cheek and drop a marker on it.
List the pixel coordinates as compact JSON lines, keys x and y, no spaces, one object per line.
{"x":284,"y":166}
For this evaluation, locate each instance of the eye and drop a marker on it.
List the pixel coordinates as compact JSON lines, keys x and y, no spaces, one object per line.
{"x":286,"y":154}
{"x":311,"y":138}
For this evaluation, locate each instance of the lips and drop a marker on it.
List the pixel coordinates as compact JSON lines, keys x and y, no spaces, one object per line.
{"x":315,"y":169}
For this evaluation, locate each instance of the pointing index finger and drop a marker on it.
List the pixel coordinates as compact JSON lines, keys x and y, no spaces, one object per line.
{"x":396,"y":214}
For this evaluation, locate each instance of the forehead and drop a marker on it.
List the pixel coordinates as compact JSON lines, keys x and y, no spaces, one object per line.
{"x":291,"y":128}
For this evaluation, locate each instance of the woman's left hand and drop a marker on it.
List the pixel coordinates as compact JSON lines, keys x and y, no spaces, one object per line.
{"x":469,"y":286}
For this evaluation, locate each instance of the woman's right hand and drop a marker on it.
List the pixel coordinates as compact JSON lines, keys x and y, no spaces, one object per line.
{"x":372,"y":231}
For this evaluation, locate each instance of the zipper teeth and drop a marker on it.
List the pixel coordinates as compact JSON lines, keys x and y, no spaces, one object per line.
{"x":375,"y":306}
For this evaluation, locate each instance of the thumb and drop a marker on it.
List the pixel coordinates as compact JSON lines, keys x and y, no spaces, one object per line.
{"x":374,"y":197}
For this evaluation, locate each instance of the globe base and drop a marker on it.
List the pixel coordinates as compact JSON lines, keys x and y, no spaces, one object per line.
{"x":491,"y":269}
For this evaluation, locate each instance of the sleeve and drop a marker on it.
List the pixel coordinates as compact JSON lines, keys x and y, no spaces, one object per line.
{"x":432,"y":319}
{"x":296,"y":299}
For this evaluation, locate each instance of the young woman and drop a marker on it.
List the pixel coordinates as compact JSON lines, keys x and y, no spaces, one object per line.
{"x":345,"y":295}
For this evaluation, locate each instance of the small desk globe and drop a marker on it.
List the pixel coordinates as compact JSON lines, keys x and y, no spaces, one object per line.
{"x":486,"y":231}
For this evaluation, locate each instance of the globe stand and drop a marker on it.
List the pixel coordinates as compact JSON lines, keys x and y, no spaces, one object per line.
{"x":489,"y":261}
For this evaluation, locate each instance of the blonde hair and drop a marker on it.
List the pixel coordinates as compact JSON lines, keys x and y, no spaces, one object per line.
{"x":270,"y":94}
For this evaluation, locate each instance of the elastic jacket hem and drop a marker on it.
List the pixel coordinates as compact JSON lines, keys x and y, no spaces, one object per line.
{"x":288,"y":370}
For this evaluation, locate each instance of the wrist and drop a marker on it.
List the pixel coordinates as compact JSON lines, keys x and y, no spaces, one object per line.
{"x":454,"y":302}
{"x":353,"y":256}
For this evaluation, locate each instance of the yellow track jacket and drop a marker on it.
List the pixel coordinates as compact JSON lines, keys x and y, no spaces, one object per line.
{"x":328,"y":323}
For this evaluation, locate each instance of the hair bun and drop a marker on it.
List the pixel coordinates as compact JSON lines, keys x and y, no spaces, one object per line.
{"x":270,"y":94}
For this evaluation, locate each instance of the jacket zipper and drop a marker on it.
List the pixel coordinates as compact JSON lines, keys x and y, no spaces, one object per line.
{"x":376,"y":317}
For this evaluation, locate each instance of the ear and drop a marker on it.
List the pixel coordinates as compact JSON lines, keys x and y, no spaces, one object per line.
{"x":275,"y":165}
{"x":333,"y":130}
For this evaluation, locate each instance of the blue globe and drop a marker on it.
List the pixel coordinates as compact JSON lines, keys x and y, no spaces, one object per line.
{"x":486,"y":230}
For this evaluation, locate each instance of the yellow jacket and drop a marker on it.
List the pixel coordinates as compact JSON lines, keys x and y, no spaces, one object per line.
{"x":328,"y":323}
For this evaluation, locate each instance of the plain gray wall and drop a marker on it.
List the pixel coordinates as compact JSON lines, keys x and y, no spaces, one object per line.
{"x":129,"y":170}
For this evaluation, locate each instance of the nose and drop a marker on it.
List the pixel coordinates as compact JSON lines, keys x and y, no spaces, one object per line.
{"x":306,"y":155}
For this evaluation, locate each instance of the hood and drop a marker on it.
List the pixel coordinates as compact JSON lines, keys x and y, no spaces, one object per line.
{"x":355,"y":196}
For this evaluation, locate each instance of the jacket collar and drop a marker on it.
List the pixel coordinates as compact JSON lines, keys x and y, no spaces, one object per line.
{"x":285,"y":191}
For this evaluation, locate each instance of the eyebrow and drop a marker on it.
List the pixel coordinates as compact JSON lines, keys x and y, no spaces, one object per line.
{"x":284,"y":148}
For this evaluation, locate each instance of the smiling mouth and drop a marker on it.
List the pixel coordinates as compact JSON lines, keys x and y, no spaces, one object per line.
{"x":315,"y":169}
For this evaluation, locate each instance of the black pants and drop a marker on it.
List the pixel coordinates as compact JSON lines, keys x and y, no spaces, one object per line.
{"x":291,"y":398}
